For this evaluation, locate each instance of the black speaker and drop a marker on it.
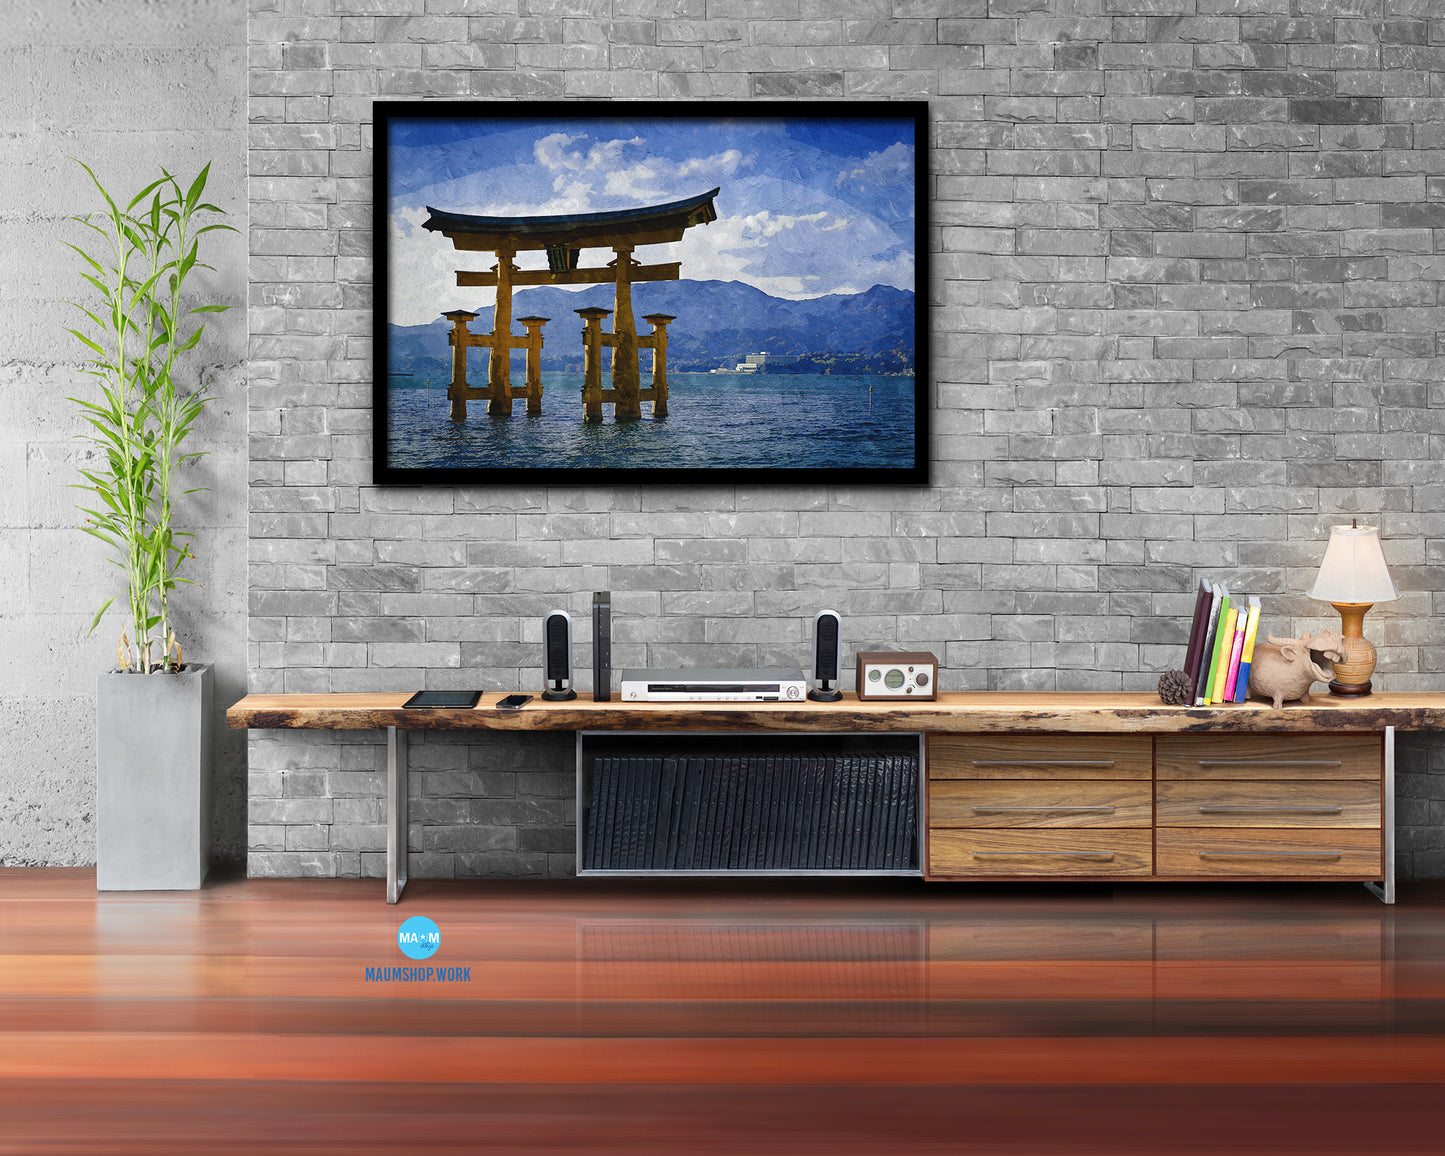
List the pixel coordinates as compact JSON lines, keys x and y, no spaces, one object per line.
{"x":557,"y":656}
{"x":827,"y":656}
{"x":602,"y":646}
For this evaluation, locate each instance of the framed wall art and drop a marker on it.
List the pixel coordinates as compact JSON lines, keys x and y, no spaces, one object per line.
{"x":624,"y":292}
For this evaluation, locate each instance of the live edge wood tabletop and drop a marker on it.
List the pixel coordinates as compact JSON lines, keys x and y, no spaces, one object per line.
{"x":1029,"y":785}
{"x":1004,"y":712}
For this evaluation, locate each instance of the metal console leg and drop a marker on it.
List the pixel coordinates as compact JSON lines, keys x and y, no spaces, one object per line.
{"x":1385,"y":891}
{"x":396,"y":817}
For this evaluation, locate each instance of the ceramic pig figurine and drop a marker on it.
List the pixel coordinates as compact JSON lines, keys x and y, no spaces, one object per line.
{"x":1285,"y":668}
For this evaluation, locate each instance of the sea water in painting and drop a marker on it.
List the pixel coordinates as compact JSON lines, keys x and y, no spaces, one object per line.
{"x":651,"y":293}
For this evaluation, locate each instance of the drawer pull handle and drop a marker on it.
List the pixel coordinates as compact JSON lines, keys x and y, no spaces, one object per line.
{"x":1271,"y":854}
{"x":1270,"y":763}
{"x":1102,"y":810}
{"x":1271,"y":810}
{"x":1043,"y":762}
{"x":1093,"y":856}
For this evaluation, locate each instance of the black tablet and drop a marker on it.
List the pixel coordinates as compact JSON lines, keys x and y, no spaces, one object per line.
{"x":461,"y":698}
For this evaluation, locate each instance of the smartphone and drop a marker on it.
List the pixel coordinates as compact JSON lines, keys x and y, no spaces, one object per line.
{"x":514,"y":701}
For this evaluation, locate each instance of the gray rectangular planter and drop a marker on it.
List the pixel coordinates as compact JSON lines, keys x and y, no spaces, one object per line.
{"x":153,"y":780}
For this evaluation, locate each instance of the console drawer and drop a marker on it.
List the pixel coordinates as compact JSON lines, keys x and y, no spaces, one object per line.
{"x":1039,"y":803}
{"x":1039,"y":853}
{"x":1040,"y":756}
{"x":1350,"y":854}
{"x":1257,"y":803}
{"x":1269,"y":757}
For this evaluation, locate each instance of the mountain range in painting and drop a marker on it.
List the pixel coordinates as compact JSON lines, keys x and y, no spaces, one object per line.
{"x":718,"y":324}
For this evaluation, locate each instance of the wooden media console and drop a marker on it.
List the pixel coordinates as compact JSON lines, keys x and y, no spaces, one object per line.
{"x":1025,"y":785}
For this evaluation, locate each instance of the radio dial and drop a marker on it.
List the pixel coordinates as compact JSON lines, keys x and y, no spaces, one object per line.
{"x":794,"y":692}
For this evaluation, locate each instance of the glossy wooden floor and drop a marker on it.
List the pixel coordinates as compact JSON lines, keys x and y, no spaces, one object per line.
{"x":806,"y":1016}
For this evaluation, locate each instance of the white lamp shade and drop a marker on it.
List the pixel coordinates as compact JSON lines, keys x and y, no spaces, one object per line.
{"x":1354,"y":568}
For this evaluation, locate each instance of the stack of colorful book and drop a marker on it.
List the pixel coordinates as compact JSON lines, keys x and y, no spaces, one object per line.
{"x":1221,"y":645}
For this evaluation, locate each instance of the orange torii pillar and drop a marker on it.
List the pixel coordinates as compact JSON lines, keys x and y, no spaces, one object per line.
{"x":658,"y":341}
{"x":499,"y":367}
{"x":459,"y":339}
{"x":592,"y":341}
{"x":626,"y":373}
{"x":534,"y":363}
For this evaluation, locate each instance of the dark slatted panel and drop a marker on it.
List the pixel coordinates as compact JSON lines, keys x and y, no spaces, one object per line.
{"x":765,"y":813}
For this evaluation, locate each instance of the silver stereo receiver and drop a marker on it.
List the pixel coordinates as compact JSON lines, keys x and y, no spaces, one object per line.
{"x":780,"y":685}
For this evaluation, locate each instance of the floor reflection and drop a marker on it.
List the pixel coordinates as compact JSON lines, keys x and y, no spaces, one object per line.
{"x":779,"y":1016}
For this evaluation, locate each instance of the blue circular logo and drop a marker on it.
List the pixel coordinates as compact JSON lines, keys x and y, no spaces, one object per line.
{"x":418,"y":938}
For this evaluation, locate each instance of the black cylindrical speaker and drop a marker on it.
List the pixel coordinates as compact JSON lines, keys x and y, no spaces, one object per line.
{"x":827,"y":656}
{"x":602,"y":646}
{"x":557,"y":656}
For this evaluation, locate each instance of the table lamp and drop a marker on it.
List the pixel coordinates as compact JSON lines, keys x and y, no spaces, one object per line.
{"x":1352,"y":578}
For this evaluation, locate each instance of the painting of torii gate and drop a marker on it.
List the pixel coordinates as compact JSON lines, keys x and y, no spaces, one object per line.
{"x":563,"y":238}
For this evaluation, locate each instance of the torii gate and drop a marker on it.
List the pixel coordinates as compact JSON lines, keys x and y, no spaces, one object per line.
{"x":563,"y":238}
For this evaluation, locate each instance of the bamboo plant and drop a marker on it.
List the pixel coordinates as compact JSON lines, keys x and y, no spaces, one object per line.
{"x":144,"y":323}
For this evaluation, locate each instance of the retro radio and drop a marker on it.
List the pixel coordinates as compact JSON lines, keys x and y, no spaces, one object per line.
{"x":886,"y":674}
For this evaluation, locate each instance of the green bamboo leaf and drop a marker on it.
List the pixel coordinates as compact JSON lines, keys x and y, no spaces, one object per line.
{"x":149,"y":283}
{"x":91,"y":225}
{"x":193,"y":194}
{"x":79,"y":336}
{"x":144,"y":193}
{"x":101,"y":287}
{"x":111,"y":499}
{"x":98,"y":185}
{"x":99,"y":324}
{"x":99,"y":614}
{"x":94,"y":533}
{"x":94,"y":264}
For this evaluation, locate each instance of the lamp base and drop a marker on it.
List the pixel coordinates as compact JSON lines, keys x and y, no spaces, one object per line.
{"x":1349,"y":689}
{"x":1352,"y":673}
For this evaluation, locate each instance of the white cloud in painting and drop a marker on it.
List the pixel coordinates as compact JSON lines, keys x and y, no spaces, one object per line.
{"x":803,"y":211}
{"x":659,"y":179}
{"x":640,"y":182}
{"x":881,"y":170}
{"x":553,"y":152}
{"x":423,"y":265}
{"x":830,"y":249}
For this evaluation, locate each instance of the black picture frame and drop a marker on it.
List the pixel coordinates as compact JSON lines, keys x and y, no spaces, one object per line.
{"x":423,"y":148}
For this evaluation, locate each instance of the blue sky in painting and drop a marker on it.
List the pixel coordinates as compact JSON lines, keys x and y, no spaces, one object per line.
{"x":807,"y":207}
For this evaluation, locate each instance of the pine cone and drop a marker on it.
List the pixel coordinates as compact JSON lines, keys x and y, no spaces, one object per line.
{"x":1176,"y":688}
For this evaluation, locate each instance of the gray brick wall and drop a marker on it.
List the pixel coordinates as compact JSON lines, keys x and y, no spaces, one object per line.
{"x":126,"y":86}
{"x":1186,"y":313}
